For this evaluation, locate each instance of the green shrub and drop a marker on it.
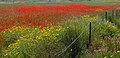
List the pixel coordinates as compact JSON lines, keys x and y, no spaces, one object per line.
{"x":103,"y":55}
{"x":109,"y":30}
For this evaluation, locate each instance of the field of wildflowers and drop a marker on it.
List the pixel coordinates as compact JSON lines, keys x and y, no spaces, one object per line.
{"x":58,"y":32}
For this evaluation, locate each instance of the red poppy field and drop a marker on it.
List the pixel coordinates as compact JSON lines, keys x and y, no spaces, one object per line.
{"x":45,"y":15}
{"x":60,"y":31}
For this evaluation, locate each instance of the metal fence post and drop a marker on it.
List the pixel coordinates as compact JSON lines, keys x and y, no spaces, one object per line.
{"x":112,"y":14}
{"x":106,"y":14}
{"x":90,"y":36}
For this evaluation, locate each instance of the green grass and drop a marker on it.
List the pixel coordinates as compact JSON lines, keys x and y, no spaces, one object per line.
{"x":58,"y":3}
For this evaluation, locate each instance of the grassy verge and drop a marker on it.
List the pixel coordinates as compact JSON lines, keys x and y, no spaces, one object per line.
{"x":58,"y":3}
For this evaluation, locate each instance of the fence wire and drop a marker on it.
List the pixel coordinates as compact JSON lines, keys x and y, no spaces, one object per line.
{"x":61,"y":52}
{"x":86,"y":28}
